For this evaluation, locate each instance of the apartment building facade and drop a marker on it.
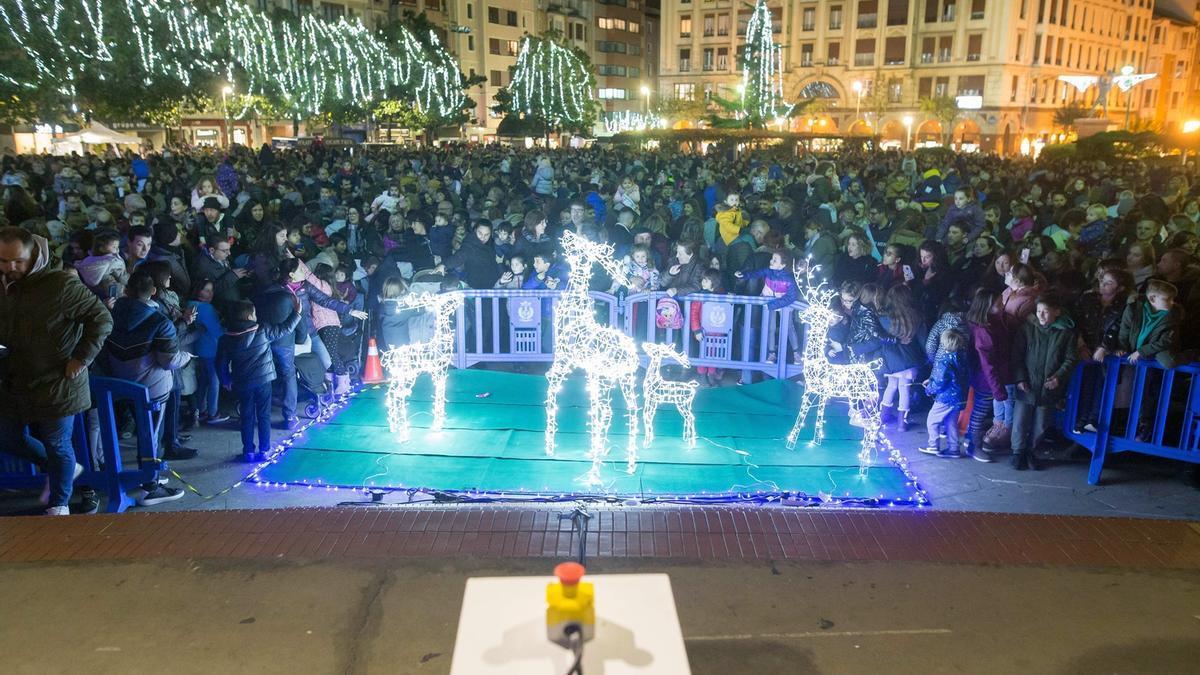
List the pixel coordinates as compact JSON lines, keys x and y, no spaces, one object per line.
{"x":870,"y":62}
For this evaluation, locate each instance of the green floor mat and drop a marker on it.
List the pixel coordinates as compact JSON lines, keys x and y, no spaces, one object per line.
{"x":493,"y":442}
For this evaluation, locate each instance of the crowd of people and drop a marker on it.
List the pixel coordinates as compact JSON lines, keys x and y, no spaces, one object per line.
{"x":208,"y":276}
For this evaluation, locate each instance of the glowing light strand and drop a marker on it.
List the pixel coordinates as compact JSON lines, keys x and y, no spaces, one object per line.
{"x":657,"y":391}
{"x":405,"y":363}
{"x":607,"y":356}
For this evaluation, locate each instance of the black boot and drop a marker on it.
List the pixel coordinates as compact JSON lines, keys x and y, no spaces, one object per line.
{"x":1020,"y":459}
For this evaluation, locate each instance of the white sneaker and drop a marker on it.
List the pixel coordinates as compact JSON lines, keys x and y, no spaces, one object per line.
{"x":58,"y":511}
{"x":44,"y":498}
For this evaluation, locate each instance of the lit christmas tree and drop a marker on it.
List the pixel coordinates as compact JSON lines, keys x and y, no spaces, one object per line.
{"x":762,"y":69}
{"x":551,"y":84}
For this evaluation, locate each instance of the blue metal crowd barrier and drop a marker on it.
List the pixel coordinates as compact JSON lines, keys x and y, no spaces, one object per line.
{"x":111,"y":476}
{"x":737,"y":332}
{"x":1170,"y":430}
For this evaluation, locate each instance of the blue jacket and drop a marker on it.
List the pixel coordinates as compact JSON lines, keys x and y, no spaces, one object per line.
{"x":949,"y":380}
{"x":244,"y":352}
{"x":143,"y":346}
{"x":206,"y":342}
{"x":557,"y":271}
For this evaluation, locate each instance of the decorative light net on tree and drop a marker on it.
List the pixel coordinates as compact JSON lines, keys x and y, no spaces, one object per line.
{"x":305,"y":64}
{"x":551,"y":82}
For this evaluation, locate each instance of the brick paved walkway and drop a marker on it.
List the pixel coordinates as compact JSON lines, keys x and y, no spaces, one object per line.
{"x":682,"y":533}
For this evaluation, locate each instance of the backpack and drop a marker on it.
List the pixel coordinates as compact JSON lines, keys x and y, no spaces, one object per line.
{"x":667,"y":314}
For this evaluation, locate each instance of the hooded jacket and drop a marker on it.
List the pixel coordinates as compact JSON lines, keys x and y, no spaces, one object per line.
{"x":1163,"y":342}
{"x":99,"y":272}
{"x":143,"y":346}
{"x":46,"y":319}
{"x":729,"y":223}
{"x":1041,"y":353}
{"x":993,"y":348}
{"x":949,"y":379}
{"x":244,"y":352}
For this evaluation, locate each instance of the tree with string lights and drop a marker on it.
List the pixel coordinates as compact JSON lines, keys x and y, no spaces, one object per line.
{"x":117,"y":53}
{"x":551,"y":86}
{"x":759,"y":99}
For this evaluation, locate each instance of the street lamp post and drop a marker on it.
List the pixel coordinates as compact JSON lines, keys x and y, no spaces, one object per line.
{"x":225,"y":92}
{"x":908,"y":122}
{"x":857,"y":86}
{"x":646,"y":94}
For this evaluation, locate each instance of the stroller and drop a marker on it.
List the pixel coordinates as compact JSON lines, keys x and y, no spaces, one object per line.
{"x":314,"y":390}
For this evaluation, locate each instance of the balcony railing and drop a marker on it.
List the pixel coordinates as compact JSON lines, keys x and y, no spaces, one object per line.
{"x":895,"y":61}
{"x":722,"y":32}
{"x":927,"y":58}
{"x":868,"y":20}
{"x":975,"y":16}
{"x":833,"y":61}
{"x":708,"y":67}
{"x":808,"y":26}
{"x":974,"y":57}
{"x":835,"y":23}
{"x":685,"y":66}
{"x":806,"y":61}
{"x":944,"y":56}
{"x":864,"y":59}
{"x":708,"y":32}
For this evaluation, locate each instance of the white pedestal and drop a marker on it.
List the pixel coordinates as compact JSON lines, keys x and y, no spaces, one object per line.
{"x":502,"y":628}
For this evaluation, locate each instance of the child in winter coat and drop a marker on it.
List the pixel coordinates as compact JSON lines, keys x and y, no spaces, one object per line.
{"x":245,"y":365}
{"x":779,"y":284}
{"x":514,"y":278}
{"x":639,"y":267}
{"x":947,"y":385}
{"x":709,"y":283}
{"x":103,"y":272}
{"x":730,"y":219}
{"x":1150,"y":330}
{"x":207,"y":327}
{"x":1044,"y":354}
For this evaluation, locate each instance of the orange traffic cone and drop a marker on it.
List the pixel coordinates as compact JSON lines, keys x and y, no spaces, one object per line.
{"x":373,"y":372}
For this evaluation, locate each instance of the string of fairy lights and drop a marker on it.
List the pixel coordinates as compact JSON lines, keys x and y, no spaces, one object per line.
{"x":550,"y":81}
{"x":305,"y":64}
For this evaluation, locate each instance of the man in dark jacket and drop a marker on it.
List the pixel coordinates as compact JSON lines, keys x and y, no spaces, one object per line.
{"x":273,"y":305}
{"x":52,"y":327}
{"x":245,"y":365}
{"x":740,"y":251}
{"x":212,"y":262}
{"x":166,"y":247}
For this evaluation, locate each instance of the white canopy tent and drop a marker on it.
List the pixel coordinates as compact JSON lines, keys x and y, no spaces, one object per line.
{"x":94,"y":134}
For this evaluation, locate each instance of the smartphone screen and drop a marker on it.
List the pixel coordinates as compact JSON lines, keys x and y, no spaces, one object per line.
{"x":908,"y":273}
